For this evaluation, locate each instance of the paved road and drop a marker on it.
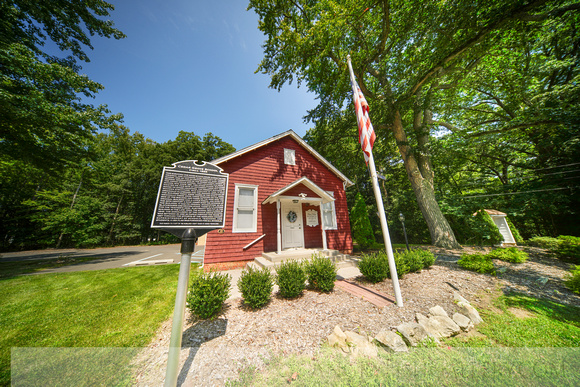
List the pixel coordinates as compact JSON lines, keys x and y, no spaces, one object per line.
{"x":106,"y":258}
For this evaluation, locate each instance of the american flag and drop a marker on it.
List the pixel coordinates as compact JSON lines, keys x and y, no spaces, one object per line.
{"x":366,"y":133}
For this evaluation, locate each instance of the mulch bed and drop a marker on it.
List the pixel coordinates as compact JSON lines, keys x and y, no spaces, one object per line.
{"x":215,"y":350}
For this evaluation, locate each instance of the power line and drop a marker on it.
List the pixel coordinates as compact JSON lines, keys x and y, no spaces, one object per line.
{"x":516,"y":193}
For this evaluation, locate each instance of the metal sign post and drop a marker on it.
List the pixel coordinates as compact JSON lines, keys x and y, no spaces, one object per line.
{"x":191,"y":202}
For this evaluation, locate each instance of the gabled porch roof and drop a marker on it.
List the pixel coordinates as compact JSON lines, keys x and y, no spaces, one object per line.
{"x":326,"y":198}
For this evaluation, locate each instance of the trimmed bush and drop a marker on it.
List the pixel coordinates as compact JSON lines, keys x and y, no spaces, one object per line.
{"x":360,"y":224}
{"x":510,"y":254}
{"x":428,"y":258}
{"x":321,"y":273}
{"x":412,"y":261}
{"x":256,"y":287}
{"x":207,"y":293}
{"x":477,"y":262}
{"x":375,"y":266}
{"x":544,"y":242}
{"x":568,"y":249}
{"x":573,"y":280}
{"x":291,"y":279}
{"x":401,"y":263}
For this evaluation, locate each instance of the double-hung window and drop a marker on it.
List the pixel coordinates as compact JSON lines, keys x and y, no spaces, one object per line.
{"x":329,"y":214}
{"x":245,"y":208}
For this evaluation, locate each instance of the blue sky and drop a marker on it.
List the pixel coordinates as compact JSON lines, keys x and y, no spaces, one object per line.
{"x":189,"y":65}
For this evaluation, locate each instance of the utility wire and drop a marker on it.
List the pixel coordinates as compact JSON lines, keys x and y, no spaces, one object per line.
{"x":516,"y":193}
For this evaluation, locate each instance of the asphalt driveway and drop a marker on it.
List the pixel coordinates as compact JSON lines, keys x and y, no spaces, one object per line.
{"x":107,"y":257}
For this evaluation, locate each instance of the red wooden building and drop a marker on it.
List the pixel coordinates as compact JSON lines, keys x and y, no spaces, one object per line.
{"x":282,"y":195}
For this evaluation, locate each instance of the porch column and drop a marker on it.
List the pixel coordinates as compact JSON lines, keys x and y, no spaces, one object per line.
{"x":322,"y":226}
{"x":278,"y":230}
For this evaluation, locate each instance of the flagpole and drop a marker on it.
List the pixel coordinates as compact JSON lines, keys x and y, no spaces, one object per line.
{"x":382,"y":217}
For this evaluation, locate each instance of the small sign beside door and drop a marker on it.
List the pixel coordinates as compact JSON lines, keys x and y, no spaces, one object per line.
{"x":312,"y":218}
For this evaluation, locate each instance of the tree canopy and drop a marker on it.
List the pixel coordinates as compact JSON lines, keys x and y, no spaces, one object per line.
{"x":421,"y":62}
{"x":43,"y":119}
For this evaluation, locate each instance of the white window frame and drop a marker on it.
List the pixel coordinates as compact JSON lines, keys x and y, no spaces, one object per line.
{"x":325,"y":207}
{"x":289,"y":156}
{"x":254,"y":227}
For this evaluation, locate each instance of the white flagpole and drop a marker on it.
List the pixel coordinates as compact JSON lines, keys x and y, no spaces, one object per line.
{"x":381,"y":209}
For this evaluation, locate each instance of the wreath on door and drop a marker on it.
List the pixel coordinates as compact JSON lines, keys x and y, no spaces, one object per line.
{"x":291,"y":216}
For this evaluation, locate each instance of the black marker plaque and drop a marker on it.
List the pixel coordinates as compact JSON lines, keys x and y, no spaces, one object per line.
{"x":191,"y":195}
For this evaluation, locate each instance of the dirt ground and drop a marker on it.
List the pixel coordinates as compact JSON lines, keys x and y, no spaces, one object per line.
{"x":214,"y":351}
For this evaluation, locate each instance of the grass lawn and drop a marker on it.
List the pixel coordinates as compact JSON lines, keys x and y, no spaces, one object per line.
{"x":540,"y":348}
{"x":103,"y":308}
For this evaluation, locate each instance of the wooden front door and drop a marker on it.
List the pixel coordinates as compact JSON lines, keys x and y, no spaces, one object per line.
{"x":292,"y":227}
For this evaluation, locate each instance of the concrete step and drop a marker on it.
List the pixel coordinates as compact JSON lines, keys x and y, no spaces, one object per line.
{"x":341,"y":260}
{"x":288,"y":255}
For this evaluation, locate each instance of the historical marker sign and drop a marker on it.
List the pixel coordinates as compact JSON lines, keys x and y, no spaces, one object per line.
{"x":191,"y":195}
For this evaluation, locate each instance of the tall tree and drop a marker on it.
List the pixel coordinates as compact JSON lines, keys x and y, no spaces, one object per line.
{"x":42,"y":117}
{"x":405,"y":54}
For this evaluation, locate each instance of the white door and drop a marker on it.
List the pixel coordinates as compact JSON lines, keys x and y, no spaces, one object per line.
{"x":292,"y":230}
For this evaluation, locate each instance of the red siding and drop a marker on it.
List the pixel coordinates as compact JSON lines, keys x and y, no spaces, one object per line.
{"x":265,"y":168}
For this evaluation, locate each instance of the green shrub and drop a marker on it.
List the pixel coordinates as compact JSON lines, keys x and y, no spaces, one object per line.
{"x":510,"y":254}
{"x":256,"y":287}
{"x":375,"y":266}
{"x":477,"y":262}
{"x":516,"y":234}
{"x":428,"y":258}
{"x":360,"y":224}
{"x":412,"y":261}
{"x":291,"y":279}
{"x":401,"y":264}
{"x":544,"y":242}
{"x":568,"y":249}
{"x":573,"y":280}
{"x":321,"y":273}
{"x":484,"y":231}
{"x":207,"y":293}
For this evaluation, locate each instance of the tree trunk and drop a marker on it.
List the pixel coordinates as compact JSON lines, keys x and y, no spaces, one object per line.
{"x":441,"y":233}
{"x":71,"y":207}
{"x":110,"y":239}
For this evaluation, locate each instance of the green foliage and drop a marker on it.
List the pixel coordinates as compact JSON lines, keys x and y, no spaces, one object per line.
{"x":321,"y":273}
{"x":207,"y":293}
{"x":516,"y":234}
{"x":412,"y":261}
{"x":401,"y":264}
{"x":361,"y":228}
{"x":510,"y":254}
{"x":43,"y":120}
{"x":485,"y":231}
{"x":256,"y":287}
{"x":480,"y":263}
{"x":106,"y":200}
{"x":544,"y":242}
{"x":291,"y":279}
{"x":568,"y":249}
{"x":428,"y":258}
{"x":374,"y":266}
{"x":572,"y":280}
